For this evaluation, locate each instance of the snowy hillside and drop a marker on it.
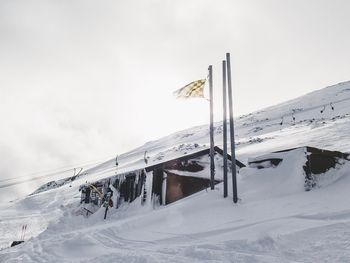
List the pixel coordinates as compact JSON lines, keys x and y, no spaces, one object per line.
{"x":275,"y":220}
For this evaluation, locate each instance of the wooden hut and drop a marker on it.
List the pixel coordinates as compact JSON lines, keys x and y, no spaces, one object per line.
{"x":164,"y":181}
{"x":316,"y":162}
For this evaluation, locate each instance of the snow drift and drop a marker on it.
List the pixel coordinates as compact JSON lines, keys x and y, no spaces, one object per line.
{"x":276,"y":220}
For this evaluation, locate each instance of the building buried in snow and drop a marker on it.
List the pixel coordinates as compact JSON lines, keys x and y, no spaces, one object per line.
{"x":314,"y":162}
{"x":185,"y":175}
{"x":161,"y":182}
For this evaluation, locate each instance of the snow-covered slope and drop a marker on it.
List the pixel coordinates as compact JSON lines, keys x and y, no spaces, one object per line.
{"x":275,"y":220}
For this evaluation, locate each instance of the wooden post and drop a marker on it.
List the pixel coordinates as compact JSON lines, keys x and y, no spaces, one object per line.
{"x":211,"y":128}
{"x":224,"y":125}
{"x":232,"y":130}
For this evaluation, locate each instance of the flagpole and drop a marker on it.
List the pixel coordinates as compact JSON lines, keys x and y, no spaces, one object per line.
{"x":211,"y":128}
{"x":224,"y":124}
{"x":232,"y":130}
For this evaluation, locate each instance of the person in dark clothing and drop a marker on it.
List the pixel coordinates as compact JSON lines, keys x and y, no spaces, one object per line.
{"x":107,"y":197}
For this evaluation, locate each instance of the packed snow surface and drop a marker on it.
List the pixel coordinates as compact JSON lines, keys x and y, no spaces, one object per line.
{"x":275,"y":220}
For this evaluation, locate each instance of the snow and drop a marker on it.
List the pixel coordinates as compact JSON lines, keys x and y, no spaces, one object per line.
{"x":275,"y":220}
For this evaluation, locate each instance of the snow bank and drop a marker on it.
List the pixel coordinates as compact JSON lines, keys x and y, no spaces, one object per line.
{"x":274,"y":221}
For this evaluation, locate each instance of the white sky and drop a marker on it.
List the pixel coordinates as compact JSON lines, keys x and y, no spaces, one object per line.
{"x":81,"y":80}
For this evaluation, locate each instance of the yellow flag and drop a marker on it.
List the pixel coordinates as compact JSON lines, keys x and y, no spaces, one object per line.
{"x":191,"y":90}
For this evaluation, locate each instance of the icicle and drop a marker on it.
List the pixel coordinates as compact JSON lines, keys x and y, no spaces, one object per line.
{"x":145,"y":157}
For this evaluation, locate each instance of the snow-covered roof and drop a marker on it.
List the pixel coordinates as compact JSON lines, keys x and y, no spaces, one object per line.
{"x":163,"y":159}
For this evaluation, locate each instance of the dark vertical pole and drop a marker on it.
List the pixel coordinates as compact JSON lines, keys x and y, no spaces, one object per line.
{"x":232,"y":130}
{"x":224,"y":124}
{"x":105,"y":216}
{"x":212,"y":165}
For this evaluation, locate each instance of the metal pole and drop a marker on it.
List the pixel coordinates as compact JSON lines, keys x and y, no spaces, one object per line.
{"x":232,"y":130}
{"x":224,"y":124}
{"x":211,"y":128}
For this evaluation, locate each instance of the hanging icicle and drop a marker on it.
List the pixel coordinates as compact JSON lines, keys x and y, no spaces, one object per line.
{"x":145,"y":157}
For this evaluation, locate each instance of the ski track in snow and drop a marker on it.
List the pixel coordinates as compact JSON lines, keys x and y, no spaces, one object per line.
{"x":274,"y":222}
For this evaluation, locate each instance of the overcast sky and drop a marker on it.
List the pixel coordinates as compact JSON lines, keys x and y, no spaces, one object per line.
{"x":83,"y":80}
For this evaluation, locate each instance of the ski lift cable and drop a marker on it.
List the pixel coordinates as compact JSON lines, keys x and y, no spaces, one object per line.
{"x":56,"y":171}
{"x":304,"y":110}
